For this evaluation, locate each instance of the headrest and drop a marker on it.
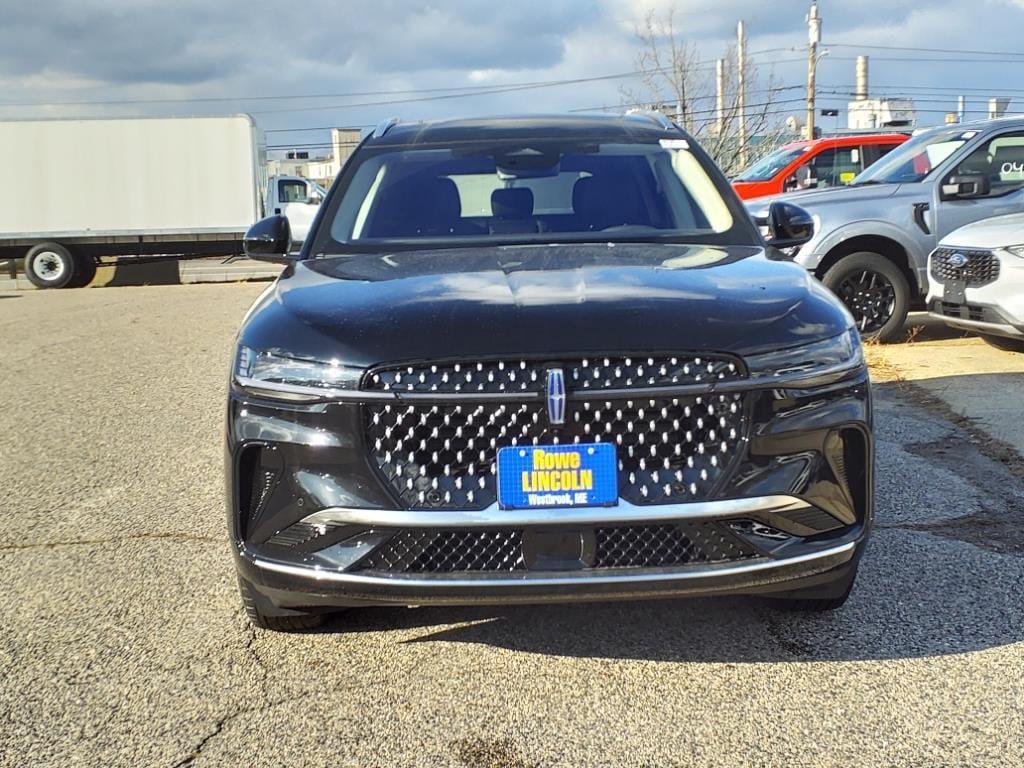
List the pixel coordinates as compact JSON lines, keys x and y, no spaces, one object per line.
{"x":514,"y":203}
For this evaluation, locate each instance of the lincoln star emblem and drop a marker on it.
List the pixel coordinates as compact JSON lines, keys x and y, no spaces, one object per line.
{"x":957,"y":260}
{"x":556,"y":396}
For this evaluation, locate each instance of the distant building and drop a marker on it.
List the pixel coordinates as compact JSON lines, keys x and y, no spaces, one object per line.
{"x":294,"y":163}
{"x":871,"y":114}
{"x":322,"y":170}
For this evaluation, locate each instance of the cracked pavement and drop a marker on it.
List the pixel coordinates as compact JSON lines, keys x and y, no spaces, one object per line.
{"x":122,"y":640}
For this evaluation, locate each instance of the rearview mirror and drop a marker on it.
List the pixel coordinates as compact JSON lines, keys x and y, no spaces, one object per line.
{"x":966,"y":185}
{"x":788,"y":225}
{"x":269,"y":239}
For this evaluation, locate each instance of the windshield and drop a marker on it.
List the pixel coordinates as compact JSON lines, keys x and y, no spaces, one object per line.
{"x":533,"y":189}
{"x":916,"y":158}
{"x":769,"y":166}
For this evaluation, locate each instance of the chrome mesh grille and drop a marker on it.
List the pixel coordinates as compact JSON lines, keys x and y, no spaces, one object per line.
{"x":982,"y":267}
{"x":425,"y":551}
{"x":650,"y":546}
{"x":601,"y":372}
{"x":497,"y":551}
{"x":443,"y":456}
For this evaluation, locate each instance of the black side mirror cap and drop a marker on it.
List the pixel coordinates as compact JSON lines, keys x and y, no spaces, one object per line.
{"x":788,"y":225}
{"x":965,"y":186}
{"x":269,"y":239}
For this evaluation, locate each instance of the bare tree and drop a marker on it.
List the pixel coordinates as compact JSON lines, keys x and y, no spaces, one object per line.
{"x":677,"y":82}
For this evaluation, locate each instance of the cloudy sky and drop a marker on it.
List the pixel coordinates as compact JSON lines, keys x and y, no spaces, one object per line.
{"x":364,"y":61}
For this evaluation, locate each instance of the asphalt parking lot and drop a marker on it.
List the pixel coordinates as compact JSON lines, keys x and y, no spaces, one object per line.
{"x":122,"y":641}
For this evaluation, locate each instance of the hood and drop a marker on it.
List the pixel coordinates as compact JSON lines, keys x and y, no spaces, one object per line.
{"x":542,"y":299}
{"x":997,"y":232}
{"x":815,"y":197}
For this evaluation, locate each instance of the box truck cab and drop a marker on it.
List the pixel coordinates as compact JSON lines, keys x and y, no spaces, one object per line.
{"x":297,"y":199}
{"x":817,"y":164}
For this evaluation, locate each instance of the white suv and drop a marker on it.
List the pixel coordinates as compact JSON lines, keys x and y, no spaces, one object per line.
{"x":977,"y":280}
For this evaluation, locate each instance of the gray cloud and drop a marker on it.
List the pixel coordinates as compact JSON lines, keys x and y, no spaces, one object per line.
{"x":56,"y":50}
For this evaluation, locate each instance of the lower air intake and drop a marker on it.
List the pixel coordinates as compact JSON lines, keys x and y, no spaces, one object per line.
{"x":497,"y":551}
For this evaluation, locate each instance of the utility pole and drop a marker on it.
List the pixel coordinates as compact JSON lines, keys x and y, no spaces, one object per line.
{"x":682,"y":119}
{"x":720,"y":97}
{"x":813,"y":38}
{"x":741,"y":94}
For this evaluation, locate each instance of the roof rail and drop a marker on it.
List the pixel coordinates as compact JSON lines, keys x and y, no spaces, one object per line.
{"x":384,"y":127}
{"x":654,"y":116}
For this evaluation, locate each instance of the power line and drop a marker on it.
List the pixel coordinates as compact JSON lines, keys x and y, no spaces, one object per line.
{"x":922,"y":50}
{"x":446,"y":92}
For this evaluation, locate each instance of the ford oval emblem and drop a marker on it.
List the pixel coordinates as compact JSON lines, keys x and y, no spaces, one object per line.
{"x":957,"y":260}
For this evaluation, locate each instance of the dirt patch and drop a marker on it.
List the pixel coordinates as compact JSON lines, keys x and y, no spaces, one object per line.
{"x":484,"y":753}
{"x":999,"y":527}
{"x":967,"y":451}
{"x":992,"y":447}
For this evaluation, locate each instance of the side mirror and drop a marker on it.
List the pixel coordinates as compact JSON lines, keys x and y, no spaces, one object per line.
{"x":965,"y":186}
{"x":269,"y":239}
{"x":806,"y":177}
{"x":790,"y":184}
{"x":788,"y":225}
{"x":314,"y":199}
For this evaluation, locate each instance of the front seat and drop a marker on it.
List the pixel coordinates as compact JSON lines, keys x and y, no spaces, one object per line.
{"x":512,"y":212}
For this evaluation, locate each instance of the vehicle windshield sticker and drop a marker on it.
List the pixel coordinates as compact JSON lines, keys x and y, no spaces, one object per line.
{"x":674,"y":143}
{"x":968,"y":135}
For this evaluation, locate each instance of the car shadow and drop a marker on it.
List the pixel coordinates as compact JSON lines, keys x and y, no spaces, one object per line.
{"x":917,"y":595}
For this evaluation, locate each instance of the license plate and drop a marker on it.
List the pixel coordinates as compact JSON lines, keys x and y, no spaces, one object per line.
{"x":557,"y":476}
{"x":954,"y":291}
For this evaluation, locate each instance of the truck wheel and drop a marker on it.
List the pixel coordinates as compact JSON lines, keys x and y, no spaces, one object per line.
{"x":874,"y":290}
{"x":1004,"y":343}
{"x":50,"y":265}
{"x":85,"y":270}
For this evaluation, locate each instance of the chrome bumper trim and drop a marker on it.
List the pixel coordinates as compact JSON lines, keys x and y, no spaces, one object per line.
{"x":304,"y":394}
{"x":495,"y":517}
{"x":1000,"y":329}
{"x":819,"y":561}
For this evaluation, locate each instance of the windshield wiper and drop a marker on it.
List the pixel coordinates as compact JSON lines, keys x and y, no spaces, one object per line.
{"x":867,"y":182}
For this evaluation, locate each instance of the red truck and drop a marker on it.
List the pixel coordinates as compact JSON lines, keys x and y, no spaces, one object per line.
{"x":816,"y":164}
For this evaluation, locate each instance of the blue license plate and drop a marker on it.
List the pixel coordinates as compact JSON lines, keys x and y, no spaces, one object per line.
{"x":557,"y":476}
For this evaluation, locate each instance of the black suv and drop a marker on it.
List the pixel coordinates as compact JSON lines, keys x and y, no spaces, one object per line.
{"x":539,"y":359}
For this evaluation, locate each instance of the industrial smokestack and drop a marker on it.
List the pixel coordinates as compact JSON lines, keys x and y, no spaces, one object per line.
{"x":861,"y":91}
{"x":960,"y":108}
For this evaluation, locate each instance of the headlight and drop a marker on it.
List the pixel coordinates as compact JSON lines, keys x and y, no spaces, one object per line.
{"x":270,"y":374}
{"x":837,"y":353}
{"x":1016,"y":250}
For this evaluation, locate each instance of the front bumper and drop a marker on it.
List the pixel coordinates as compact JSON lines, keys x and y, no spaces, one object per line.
{"x":794,"y":514}
{"x":995,"y":308}
{"x":776,"y":565}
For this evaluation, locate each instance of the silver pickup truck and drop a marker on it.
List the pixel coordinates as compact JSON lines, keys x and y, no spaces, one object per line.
{"x":872,"y":239}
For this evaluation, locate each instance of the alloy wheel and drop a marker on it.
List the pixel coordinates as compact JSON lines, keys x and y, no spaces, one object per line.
{"x":870,"y":297}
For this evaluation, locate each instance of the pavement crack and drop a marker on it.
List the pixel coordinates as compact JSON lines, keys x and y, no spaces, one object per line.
{"x":175,"y":537}
{"x":221,"y":723}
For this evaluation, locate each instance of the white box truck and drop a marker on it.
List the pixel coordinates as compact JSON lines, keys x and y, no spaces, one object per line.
{"x":77,"y":192}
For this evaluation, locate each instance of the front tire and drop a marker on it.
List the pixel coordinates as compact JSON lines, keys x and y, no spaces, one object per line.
{"x":284,"y":621}
{"x":1003,"y":343}
{"x":816,"y":599}
{"x":50,"y":265}
{"x":875,"y":291}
